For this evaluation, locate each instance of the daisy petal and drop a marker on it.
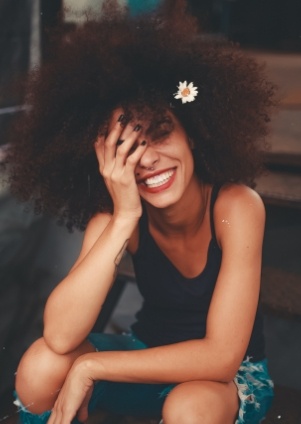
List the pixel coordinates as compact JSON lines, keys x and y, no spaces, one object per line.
{"x":186,"y":92}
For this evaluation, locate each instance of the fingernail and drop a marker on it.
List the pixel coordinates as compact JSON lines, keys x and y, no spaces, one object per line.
{"x":143,"y":143}
{"x":137,"y":128}
{"x":121,"y":118}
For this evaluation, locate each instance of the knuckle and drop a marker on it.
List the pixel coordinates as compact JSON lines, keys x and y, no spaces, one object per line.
{"x":116,"y":126}
{"x":105,"y":173}
{"x":114,"y":133}
{"x":132,"y":160}
{"x":110,"y":142}
{"x":99,"y":141}
{"x":115,"y":178}
{"x":66,"y":410}
{"x":121,"y":151}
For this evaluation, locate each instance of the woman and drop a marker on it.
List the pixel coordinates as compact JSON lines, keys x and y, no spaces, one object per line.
{"x":150,"y":137}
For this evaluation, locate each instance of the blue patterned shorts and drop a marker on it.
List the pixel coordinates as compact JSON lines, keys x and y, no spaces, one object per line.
{"x":255,"y":389}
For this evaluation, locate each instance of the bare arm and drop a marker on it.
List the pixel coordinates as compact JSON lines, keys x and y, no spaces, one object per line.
{"x":74,"y":305}
{"x":239,"y":217}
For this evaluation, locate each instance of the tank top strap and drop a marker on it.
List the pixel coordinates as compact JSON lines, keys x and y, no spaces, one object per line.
{"x":214,"y":194}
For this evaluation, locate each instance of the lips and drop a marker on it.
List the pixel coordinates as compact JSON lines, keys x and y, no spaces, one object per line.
{"x":159,"y":181}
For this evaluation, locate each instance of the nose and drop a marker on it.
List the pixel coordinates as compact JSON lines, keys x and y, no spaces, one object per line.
{"x":149,"y":159}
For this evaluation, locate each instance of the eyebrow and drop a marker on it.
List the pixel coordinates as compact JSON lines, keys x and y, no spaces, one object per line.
{"x":156,"y":123}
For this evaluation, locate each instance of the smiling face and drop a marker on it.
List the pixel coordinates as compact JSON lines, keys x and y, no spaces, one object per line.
{"x":165,"y":172}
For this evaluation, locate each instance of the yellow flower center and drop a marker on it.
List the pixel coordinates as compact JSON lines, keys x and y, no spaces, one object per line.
{"x":185,"y":92}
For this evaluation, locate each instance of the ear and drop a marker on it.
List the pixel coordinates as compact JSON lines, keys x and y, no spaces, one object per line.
{"x":191,"y":143}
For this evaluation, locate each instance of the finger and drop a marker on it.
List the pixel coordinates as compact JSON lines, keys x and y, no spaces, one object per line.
{"x":127,"y":131}
{"x":134,"y":158}
{"x":61,"y":414}
{"x":128,"y":146}
{"x":54,"y":417}
{"x":67,"y":417}
{"x":82,"y":414}
{"x":112,"y":138}
{"x":51,"y":418}
{"x":64,"y":415}
{"x":99,"y":150}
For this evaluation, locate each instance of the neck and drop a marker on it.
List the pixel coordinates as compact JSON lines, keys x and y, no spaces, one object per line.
{"x":183,"y":218}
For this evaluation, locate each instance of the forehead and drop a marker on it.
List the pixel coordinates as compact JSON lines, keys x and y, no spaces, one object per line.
{"x":148,"y":117}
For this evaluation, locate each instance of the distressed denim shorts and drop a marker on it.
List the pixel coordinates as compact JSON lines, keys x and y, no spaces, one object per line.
{"x":255,"y":389}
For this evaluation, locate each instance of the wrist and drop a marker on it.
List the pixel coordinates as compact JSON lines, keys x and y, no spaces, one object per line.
{"x":88,"y":366}
{"x":126,"y":219}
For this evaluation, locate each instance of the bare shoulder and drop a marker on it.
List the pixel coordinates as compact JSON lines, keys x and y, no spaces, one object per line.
{"x":238,"y":208}
{"x":238,"y":197}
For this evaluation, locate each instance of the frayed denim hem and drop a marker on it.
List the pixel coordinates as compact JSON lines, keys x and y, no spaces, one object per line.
{"x":255,"y":391}
{"x":27,"y":417}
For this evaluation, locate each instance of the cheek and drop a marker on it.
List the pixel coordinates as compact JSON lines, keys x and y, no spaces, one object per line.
{"x":188,"y":158}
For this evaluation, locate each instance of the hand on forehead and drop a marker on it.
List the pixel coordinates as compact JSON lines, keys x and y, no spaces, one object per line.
{"x":151,"y":123}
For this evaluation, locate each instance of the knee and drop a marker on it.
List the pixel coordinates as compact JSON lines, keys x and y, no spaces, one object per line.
{"x":197,"y":402}
{"x":180,"y":407}
{"x":40,"y":375}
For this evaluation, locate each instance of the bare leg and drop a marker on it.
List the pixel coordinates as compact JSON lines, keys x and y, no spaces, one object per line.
{"x":41,"y":374}
{"x":205,"y":402}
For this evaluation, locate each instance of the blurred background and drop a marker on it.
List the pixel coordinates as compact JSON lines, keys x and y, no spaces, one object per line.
{"x":35,"y":253}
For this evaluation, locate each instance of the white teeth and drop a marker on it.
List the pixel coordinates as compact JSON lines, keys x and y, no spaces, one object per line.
{"x":159,"y":179}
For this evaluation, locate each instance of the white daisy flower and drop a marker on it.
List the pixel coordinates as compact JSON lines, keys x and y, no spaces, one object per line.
{"x":187,"y":93}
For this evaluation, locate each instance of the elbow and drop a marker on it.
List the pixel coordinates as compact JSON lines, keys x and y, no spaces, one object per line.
{"x":224,"y":364}
{"x":229,"y":366}
{"x":227,"y":376}
{"x":57,"y":344}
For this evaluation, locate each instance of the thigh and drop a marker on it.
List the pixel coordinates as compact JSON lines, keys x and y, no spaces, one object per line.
{"x":202,"y":401}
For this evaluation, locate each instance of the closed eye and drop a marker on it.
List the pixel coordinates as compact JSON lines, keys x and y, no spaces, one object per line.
{"x":160,"y":130}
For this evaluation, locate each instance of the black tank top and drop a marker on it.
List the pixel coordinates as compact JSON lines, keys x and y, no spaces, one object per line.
{"x":175,"y":308}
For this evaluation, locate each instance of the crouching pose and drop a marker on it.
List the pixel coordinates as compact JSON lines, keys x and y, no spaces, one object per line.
{"x":149,"y":136}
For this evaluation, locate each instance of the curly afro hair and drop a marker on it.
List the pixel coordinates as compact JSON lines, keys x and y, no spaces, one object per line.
{"x":136,"y":63}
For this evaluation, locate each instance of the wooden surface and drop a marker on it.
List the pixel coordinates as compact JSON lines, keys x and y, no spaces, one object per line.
{"x":280,"y":188}
{"x":281,"y":293}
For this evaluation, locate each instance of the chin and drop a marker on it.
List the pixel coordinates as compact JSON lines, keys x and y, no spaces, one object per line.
{"x":161,"y":200}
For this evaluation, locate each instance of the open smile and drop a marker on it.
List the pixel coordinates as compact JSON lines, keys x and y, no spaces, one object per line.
{"x":158,"y":182}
